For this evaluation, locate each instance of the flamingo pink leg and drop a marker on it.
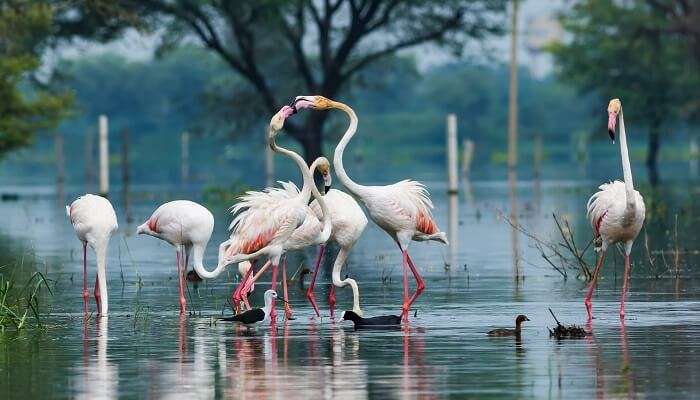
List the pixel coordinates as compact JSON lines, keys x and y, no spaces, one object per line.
{"x":98,"y":297}
{"x":625,"y":280}
{"x":420,"y":285}
{"x":331,"y":300}
{"x":236,"y":295}
{"x":405,"y":307}
{"x":273,"y":286}
{"x":85,"y":290}
{"x":250,"y":281}
{"x":287,"y":307}
{"x":591,"y":288}
{"x":183,"y":302}
{"x":312,"y":285}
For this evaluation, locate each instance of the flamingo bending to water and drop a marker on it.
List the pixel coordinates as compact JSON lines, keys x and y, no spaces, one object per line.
{"x":94,"y":221}
{"x":187,"y":226}
{"x":403,"y":210}
{"x":616,"y":212}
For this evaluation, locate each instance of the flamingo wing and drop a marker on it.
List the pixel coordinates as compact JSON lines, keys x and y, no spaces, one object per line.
{"x":307,"y":234}
{"x":262,"y":217}
{"x":410,"y":206}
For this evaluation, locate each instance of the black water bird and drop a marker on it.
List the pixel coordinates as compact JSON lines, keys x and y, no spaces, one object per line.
{"x":257,"y":315}
{"x":382,"y":321}
{"x":510,"y":332}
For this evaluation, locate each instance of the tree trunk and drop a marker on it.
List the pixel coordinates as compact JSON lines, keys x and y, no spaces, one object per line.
{"x":653,"y":151}
{"x":312,"y":136}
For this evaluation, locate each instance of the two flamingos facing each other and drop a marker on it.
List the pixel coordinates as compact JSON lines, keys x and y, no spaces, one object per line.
{"x":94,"y":221}
{"x":616,"y":212}
{"x":403,"y":209}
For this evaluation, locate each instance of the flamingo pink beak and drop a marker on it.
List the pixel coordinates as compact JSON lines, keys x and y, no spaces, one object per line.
{"x":612,"y":121}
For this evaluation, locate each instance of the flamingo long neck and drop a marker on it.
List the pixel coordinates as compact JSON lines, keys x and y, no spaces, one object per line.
{"x":101,"y":255}
{"x":325,"y":213}
{"x":308,"y":179}
{"x":198,"y":263}
{"x":352,"y":186}
{"x":626,"y":168}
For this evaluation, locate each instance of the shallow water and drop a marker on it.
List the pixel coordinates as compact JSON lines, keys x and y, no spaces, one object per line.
{"x":144,"y":349}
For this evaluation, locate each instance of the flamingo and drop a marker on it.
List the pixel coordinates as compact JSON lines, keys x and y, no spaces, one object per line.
{"x":94,"y":221}
{"x":263,"y":224}
{"x":348,"y":222}
{"x":403,"y":209}
{"x":187,"y":226}
{"x":616,"y":212}
{"x":315,"y":230}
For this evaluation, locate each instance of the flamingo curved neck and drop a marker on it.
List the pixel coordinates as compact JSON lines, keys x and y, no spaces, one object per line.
{"x":352,"y":186}
{"x":325,"y":213}
{"x":101,"y":255}
{"x":198,"y":263}
{"x":306,"y":175}
{"x":626,"y":167}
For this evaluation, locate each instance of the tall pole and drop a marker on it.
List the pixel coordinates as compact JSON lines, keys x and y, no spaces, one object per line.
{"x":452,"y":188}
{"x":89,"y":159}
{"x":185,"y":157}
{"x":60,"y":162}
{"x":513,"y":91}
{"x":104,"y":156}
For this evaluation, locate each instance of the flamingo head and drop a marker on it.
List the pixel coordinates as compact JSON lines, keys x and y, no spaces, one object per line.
{"x":324,"y":167}
{"x":614,"y":108}
{"x":277,"y":121}
{"x":313,"y":102}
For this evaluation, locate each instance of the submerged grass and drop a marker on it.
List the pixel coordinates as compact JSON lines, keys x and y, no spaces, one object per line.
{"x":21,"y":303}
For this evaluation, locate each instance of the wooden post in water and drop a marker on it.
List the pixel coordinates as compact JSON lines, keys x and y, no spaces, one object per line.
{"x":537,"y":155}
{"x":452,"y":187}
{"x":513,"y":91}
{"x":89,"y":160}
{"x":104,"y":156}
{"x":467,"y":157}
{"x":269,"y":164}
{"x":694,"y":156}
{"x":184,"y":157}
{"x":60,"y":162}
{"x":125,"y":173}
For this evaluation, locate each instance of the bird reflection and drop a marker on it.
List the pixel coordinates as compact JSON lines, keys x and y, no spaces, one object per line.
{"x":100,"y":376}
{"x":626,"y":367}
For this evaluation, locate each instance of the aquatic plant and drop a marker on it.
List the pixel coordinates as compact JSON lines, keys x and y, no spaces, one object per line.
{"x":20,"y":303}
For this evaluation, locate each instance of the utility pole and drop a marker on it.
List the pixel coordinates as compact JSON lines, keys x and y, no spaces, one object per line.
{"x":513,"y":91}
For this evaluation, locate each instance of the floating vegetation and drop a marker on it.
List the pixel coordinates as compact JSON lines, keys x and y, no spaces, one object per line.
{"x":566,"y":332}
{"x":19,"y":304}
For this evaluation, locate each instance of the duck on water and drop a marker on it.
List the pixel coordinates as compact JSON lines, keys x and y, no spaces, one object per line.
{"x":501,"y":332}
{"x":379,"y":322}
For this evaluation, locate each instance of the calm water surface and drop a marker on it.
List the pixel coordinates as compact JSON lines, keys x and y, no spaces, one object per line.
{"x":145,"y":350}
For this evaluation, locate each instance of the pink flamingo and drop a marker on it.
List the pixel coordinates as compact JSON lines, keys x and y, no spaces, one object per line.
{"x":263,"y":223}
{"x":616,"y":212}
{"x":403,"y":209}
{"x":315,"y":230}
{"x":94,"y":221}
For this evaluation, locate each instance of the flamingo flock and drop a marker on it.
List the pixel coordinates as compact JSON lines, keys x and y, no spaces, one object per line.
{"x":269,"y":223}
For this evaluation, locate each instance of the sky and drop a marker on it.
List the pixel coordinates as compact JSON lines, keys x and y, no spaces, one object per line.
{"x":537,"y":24}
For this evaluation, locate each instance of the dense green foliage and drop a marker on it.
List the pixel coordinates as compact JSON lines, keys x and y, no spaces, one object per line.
{"x":25,"y":107}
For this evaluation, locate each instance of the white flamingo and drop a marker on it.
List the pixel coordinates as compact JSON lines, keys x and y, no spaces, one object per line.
{"x":616,"y":212}
{"x":94,"y":220}
{"x":262,"y":227}
{"x":187,"y":226}
{"x":315,"y":230}
{"x":403,"y":209}
{"x":348,"y":221}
